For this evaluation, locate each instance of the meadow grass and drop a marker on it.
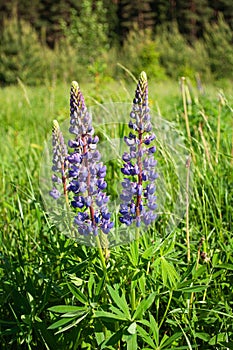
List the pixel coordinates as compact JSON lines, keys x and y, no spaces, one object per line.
{"x":158,"y":295}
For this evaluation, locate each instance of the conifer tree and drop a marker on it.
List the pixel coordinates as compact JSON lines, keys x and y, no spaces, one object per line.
{"x":21,"y":54}
{"x":218,"y":41}
{"x":192,"y":16}
{"x":136,"y":12}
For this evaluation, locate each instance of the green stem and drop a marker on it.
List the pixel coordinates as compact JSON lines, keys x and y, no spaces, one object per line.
{"x":101,"y":255}
{"x":187,"y":210}
{"x":185,"y":108}
{"x":133,"y":298}
{"x":137,"y":236}
{"x":186,"y":117}
{"x":167,"y":308}
{"x":218,"y":131}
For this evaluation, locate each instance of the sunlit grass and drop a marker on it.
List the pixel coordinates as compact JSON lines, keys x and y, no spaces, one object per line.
{"x":40,"y":268}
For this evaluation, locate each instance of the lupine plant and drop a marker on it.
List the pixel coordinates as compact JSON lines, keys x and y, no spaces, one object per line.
{"x":138,"y":199}
{"x":86,"y":173}
{"x":60,"y":164}
{"x":83,"y":174}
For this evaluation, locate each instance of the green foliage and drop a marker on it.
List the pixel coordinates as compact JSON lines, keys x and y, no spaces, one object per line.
{"x":54,"y":293}
{"x":87,"y":32}
{"x":191,"y":16}
{"x":177,"y":56}
{"x":218,"y":43}
{"x":65,"y":65}
{"x":140,"y":52}
{"x":21,"y":54}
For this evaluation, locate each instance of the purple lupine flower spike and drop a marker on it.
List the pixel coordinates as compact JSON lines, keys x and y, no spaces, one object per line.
{"x":60,"y":164}
{"x":138,"y":202}
{"x":86,"y":172}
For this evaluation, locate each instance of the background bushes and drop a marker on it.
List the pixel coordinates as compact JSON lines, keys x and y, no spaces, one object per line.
{"x":22,"y":55}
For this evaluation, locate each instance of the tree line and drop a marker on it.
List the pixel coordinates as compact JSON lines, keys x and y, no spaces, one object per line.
{"x":121,"y":15}
{"x":46,"y":40}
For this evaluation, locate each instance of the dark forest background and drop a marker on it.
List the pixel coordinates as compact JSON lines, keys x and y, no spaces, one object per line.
{"x":43,"y":40}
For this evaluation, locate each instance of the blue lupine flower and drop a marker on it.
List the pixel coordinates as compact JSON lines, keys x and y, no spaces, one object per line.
{"x":138,"y":202}
{"x":55,"y":193}
{"x":60,"y":164}
{"x":86,"y":172}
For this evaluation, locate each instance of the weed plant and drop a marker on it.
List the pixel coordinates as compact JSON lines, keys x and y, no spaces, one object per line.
{"x":171,"y":291}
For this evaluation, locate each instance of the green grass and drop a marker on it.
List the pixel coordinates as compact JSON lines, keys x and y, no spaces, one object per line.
{"x":154,"y":297}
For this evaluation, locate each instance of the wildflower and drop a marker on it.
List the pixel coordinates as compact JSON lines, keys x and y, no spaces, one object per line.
{"x":86,"y":172}
{"x":138,"y":202}
{"x":59,"y":161}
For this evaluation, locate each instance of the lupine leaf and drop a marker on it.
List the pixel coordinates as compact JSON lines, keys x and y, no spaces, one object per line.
{"x":113,"y":339}
{"x":62,"y":309}
{"x":61,"y":322}
{"x":168,"y":272}
{"x":77,"y":293}
{"x":143,"y":306}
{"x":142,"y":284}
{"x":132,"y":328}
{"x":198,"y":288}
{"x":224,"y":266}
{"x":148,"y":253}
{"x":132,"y":342}
{"x":99,"y":287}
{"x":72,"y":324}
{"x":155,"y":328}
{"x":220,"y":337}
{"x":119,"y":301}
{"x":146,"y":337}
{"x":133,"y":255}
{"x":116,"y":311}
{"x":111,"y":316}
{"x":75,"y":313}
{"x":202,"y":336}
{"x":91,"y":282}
{"x":167,"y":341}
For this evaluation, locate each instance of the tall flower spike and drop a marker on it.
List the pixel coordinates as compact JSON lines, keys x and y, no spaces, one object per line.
{"x":60,"y":165}
{"x":138,"y":202}
{"x":86,"y":172}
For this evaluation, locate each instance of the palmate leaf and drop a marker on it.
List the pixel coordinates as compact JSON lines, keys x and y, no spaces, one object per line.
{"x":153,"y":326}
{"x":69,"y":313}
{"x":169,"y":273}
{"x":119,"y":301}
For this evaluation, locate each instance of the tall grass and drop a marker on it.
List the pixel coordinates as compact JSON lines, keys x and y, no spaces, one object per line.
{"x":173,"y":291}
